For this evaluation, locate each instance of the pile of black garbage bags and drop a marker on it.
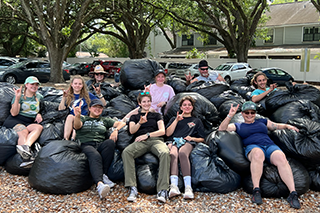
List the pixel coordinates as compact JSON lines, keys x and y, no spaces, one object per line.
{"x":218,"y":165}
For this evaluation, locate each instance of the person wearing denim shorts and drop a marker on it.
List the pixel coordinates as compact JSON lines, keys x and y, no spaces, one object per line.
{"x":259,"y":146}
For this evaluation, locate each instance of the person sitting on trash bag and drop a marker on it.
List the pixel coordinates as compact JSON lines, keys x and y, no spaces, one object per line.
{"x":98,"y":76}
{"x":91,"y":133}
{"x":24,"y":118}
{"x":148,"y":129}
{"x":259,"y":81}
{"x":258,"y":147}
{"x":204,"y":74}
{"x":184,"y":131}
{"x":76,"y":95}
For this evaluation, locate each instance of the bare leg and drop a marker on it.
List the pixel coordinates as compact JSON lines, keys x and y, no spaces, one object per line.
{"x":279,"y":159}
{"x":256,"y":157}
{"x":22,"y":133}
{"x":34,"y":133}
{"x":174,"y":160}
{"x":68,"y":127}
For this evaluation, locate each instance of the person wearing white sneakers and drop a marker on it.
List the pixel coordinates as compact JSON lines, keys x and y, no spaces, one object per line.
{"x":91,"y":133}
{"x":184,"y":132}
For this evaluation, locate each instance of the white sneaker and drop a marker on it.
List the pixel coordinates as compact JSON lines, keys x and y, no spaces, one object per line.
{"x":174,"y":191}
{"x":103,"y":190}
{"x":107,"y":181}
{"x":133,"y":194}
{"x":188,"y":193}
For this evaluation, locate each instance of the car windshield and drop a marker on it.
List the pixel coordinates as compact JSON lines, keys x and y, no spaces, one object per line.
{"x":19,"y":64}
{"x":223,"y":67}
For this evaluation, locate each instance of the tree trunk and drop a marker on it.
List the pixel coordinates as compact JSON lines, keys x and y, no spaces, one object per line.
{"x":242,"y":52}
{"x":56,"y":60}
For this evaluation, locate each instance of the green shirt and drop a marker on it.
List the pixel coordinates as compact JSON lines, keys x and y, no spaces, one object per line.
{"x":29,"y":107}
{"x":93,"y":129}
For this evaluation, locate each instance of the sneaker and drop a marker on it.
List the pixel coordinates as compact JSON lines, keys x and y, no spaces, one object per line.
{"x":162,"y":196}
{"x":26,"y":164}
{"x":174,"y":191}
{"x":188,"y":193}
{"x":37,"y":147}
{"x":256,"y":196}
{"x":24,"y":151}
{"x":107,"y":181}
{"x":133,"y":194}
{"x":293,"y":200}
{"x":103,"y":190}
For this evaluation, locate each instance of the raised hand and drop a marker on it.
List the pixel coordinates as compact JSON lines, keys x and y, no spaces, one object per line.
{"x":77,"y":110}
{"x":233,"y":110}
{"x":273,"y":86}
{"x":97,"y":89}
{"x":143,"y":119}
{"x":188,"y":77}
{"x":18,"y":93}
{"x":179,"y":117}
{"x":147,"y":88}
{"x":65,"y":92}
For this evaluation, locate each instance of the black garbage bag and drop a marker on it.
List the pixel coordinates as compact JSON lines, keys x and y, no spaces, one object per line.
{"x":243,"y":87}
{"x":314,"y":175}
{"x":122,"y":103}
{"x":107,"y":91}
{"x":294,"y":93}
{"x":211,"y":172}
{"x":113,"y":112}
{"x":271,"y":184}
{"x":51,"y":132}
{"x":231,"y":151}
{"x":297,"y":109}
{"x":116,"y":172}
{"x":124,"y":138}
{"x":60,"y":168}
{"x":203,"y":109}
{"x":208,"y":89}
{"x":51,"y":94}
{"x":225,"y":107}
{"x":12,"y":166}
{"x":50,"y":113}
{"x":147,"y":176}
{"x":6,"y":96}
{"x":133,"y":95}
{"x":226,"y":96}
{"x":147,"y":158}
{"x":303,"y":145}
{"x":8,"y":141}
{"x":136,"y":73}
{"x":177,"y":84}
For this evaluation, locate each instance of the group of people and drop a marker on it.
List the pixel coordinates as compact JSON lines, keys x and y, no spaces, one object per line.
{"x":86,"y":125}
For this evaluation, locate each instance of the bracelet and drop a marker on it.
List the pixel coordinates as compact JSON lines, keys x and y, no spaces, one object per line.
{"x":100,"y":96}
{"x":229,"y":116}
{"x":139,"y":123}
{"x":116,"y":129}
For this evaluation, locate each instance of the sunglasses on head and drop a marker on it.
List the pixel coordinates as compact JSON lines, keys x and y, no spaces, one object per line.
{"x":249,"y":112}
{"x":145,"y":93}
{"x":203,"y":69}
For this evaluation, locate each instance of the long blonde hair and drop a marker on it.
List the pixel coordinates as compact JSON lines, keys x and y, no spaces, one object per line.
{"x":83,"y":93}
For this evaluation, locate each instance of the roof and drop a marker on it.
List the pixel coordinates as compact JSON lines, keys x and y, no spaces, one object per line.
{"x":302,"y":12}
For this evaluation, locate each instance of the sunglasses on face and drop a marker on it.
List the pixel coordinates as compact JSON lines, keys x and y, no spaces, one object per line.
{"x":99,"y":74}
{"x":249,"y":112}
{"x":145,"y":93}
{"x":203,"y":69}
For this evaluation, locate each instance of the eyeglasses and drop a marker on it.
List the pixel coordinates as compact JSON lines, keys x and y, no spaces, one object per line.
{"x":203,"y":69}
{"x":249,"y":112}
{"x":145,"y":93}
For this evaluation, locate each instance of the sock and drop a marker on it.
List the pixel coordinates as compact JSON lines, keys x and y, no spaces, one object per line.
{"x":174,"y":180}
{"x":187,"y":180}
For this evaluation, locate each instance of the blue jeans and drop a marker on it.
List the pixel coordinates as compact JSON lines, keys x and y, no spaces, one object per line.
{"x":267,"y":150}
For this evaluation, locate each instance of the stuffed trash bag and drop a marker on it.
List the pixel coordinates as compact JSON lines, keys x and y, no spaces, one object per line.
{"x":177,"y":84}
{"x":147,"y":176}
{"x":116,"y":172}
{"x":60,"y":168}
{"x":210,"y":173}
{"x":208,"y":89}
{"x":8,"y":141}
{"x":6,"y":96}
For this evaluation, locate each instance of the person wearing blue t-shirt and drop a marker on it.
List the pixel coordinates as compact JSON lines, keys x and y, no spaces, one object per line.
{"x":77,"y":95}
{"x":259,"y":81}
{"x":258,"y":147}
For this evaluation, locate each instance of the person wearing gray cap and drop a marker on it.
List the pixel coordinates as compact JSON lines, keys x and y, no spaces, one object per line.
{"x":91,"y":133}
{"x":259,"y":147}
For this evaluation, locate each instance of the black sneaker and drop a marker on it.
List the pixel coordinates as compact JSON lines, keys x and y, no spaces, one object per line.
{"x":293,"y":200}
{"x":162,"y":196}
{"x":256,"y":196}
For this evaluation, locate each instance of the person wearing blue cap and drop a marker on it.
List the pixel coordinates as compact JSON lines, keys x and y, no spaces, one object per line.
{"x":24,"y":118}
{"x":259,"y":147}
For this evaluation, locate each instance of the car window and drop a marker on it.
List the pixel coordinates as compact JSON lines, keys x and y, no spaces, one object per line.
{"x":241,"y":67}
{"x":280,"y":72}
{"x":223,"y":67}
{"x":95,"y":63}
{"x":172,"y":65}
{"x":43,"y":65}
{"x":163,"y":64}
{"x":5,"y":62}
{"x":272,"y":71}
{"x":31,"y":65}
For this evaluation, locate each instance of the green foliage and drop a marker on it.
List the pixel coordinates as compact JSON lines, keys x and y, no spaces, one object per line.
{"x":285,"y":1}
{"x":317,"y":56}
{"x":194,"y":53}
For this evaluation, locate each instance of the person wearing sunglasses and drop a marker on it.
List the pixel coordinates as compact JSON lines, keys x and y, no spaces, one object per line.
{"x":204,"y":74}
{"x":259,"y":147}
{"x":148,"y":129}
{"x":259,"y":81}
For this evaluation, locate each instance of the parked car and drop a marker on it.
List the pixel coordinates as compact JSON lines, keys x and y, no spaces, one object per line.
{"x":274,"y":75}
{"x":176,"y":68}
{"x":7,"y":62}
{"x":81,"y":68}
{"x":107,"y":66}
{"x":232,"y":71}
{"x":17,"y":73}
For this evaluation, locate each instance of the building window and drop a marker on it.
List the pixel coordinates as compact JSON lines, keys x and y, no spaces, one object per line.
{"x":211,"y":41}
{"x":311,"y":34}
{"x":187,"y":40}
{"x":270,"y":36}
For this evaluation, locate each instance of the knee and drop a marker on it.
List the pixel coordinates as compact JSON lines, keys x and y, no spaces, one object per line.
{"x":279,"y":159}
{"x":257,"y":155}
{"x":183,"y":156}
{"x":110,"y":144}
{"x":39,"y":128}
{"x":173,"y":155}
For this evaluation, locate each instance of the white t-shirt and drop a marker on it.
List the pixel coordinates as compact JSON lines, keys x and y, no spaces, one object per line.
{"x":213,"y":76}
{"x":160,"y":94}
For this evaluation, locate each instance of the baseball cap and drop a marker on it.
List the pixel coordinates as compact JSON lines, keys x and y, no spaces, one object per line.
{"x":203,"y":63}
{"x":96,"y":102}
{"x":32,"y":80}
{"x":248,"y":105}
{"x":160,"y":71}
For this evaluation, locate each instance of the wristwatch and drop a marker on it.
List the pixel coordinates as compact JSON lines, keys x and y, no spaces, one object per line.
{"x":148,"y":134}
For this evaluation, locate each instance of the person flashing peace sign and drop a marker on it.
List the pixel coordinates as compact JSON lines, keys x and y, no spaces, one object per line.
{"x":75,"y":95}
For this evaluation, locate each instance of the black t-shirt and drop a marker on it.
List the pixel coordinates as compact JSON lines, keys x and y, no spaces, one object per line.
{"x":189,"y":126}
{"x":151,"y":124}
